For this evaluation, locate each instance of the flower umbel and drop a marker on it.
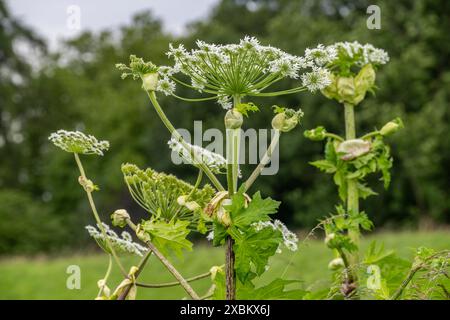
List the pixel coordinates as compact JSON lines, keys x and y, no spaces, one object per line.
{"x":197,"y":155}
{"x":78,"y":142}
{"x":123,"y":244}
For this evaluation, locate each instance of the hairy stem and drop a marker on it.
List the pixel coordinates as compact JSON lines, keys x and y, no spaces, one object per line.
{"x":352,"y":187}
{"x":178,"y":137}
{"x":97,"y":217}
{"x":168,"y":266}
{"x":264,"y":161}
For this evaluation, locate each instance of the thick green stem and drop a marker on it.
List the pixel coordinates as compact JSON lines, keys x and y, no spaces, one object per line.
{"x":233,"y":139}
{"x":97,"y":217}
{"x":178,"y":137}
{"x":352,"y":187}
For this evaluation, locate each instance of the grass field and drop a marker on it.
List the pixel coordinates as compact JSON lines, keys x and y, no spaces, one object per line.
{"x":45,"y":278}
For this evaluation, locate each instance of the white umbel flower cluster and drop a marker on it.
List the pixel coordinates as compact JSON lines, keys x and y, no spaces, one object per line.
{"x":290,"y":240}
{"x":361,"y":54}
{"x":78,"y":142}
{"x":246,"y":68}
{"x":123,"y":244}
{"x":197,"y":155}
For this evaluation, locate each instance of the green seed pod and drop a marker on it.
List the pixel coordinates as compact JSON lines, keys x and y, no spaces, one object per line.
{"x":233,"y":119}
{"x":150,"y":81}
{"x":391,"y":127}
{"x":119,"y":218}
{"x":317,"y":134}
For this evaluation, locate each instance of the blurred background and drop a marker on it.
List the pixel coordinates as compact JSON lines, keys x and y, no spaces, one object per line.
{"x":56,"y":74}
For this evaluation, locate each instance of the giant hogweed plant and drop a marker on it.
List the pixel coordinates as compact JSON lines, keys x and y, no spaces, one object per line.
{"x":350,"y":160}
{"x":227,"y":74}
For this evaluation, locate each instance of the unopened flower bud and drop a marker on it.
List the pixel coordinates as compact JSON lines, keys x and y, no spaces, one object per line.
{"x":316,"y":134}
{"x":233,"y":119}
{"x":329,"y":238}
{"x":354,"y":148}
{"x":391,"y":127}
{"x":345,"y":89}
{"x":287,"y":120}
{"x":331,"y":90}
{"x":365,"y":79}
{"x":87,"y":184}
{"x":119,"y":218}
{"x":150,"y":81}
{"x":336,"y":264}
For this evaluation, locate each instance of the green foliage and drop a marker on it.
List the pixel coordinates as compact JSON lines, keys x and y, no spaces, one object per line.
{"x":169,"y":236}
{"x":27,"y":225}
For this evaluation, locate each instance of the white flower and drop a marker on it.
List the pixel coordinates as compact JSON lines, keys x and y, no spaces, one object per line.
{"x":166,"y":86}
{"x":195,"y":155}
{"x":225,"y":102}
{"x":78,"y":142}
{"x":123,"y":244}
{"x":210,"y":236}
{"x":289,"y":238}
{"x":317,"y":79}
{"x":321,"y":55}
{"x":361,"y":54}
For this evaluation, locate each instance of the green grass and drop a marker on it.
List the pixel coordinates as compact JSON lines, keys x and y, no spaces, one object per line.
{"x":45,"y":278}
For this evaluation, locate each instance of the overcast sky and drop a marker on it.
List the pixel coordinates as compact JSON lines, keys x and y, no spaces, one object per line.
{"x":56,"y":19}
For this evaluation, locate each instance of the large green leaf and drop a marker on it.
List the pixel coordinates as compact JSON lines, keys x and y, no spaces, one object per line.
{"x":253,"y":251}
{"x":169,"y":236}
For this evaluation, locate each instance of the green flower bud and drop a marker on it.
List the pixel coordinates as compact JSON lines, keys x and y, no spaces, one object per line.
{"x":392,"y":127}
{"x":233,"y":119}
{"x":336,"y":264}
{"x":331,"y":91}
{"x":192,"y":206}
{"x":365,"y":78}
{"x":119,"y":218}
{"x":354,"y":148}
{"x":150,"y":81}
{"x":345,"y":89}
{"x":287,"y":120}
{"x":329,"y":238}
{"x":316,"y":134}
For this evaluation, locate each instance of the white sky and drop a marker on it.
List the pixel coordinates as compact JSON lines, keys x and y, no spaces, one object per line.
{"x":51,"y":19}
